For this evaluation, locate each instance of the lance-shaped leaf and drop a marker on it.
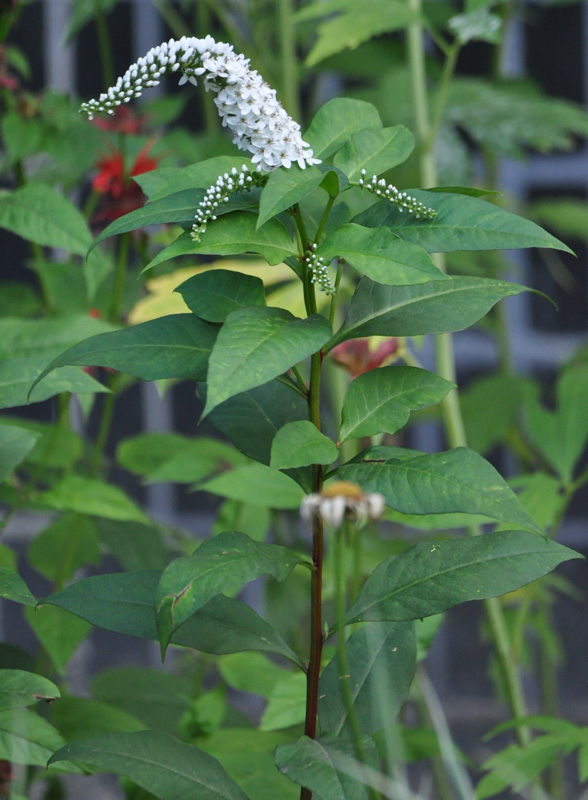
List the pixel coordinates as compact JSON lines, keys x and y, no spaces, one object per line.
{"x":15,"y":444}
{"x":27,"y":738}
{"x":258,"y":344}
{"x":232,"y":234}
{"x":213,"y":295}
{"x":327,"y":766}
{"x":420,"y":483}
{"x":123,"y":602}
{"x":178,"y":207}
{"x":90,"y":496}
{"x":12,"y":587}
{"x":19,"y":688}
{"x":219,"y":565}
{"x":375,"y":151}
{"x":433,"y":576}
{"x":285,"y":188}
{"x":43,"y":216}
{"x":381,"y":660}
{"x":462,"y":223}
{"x":299,"y":444}
{"x":256,"y":484}
{"x":380,"y":255}
{"x":380,"y":401}
{"x":176,"y":346}
{"x":434,"y":307}
{"x":168,"y":180}
{"x":336,"y":121}
{"x":158,"y":762}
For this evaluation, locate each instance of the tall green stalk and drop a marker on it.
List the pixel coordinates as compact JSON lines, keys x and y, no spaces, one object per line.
{"x":445,"y":356}
{"x":287,"y":36}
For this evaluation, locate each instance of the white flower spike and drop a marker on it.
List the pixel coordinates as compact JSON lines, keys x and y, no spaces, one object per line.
{"x":246,"y":104}
{"x":341,"y":500}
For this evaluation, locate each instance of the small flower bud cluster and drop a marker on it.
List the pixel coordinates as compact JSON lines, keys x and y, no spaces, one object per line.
{"x":220,"y":192}
{"x":341,"y":500}
{"x":245,"y":102}
{"x":319,"y":271}
{"x":389,"y":192}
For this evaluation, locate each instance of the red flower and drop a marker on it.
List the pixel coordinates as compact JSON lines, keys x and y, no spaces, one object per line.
{"x":120,"y":195}
{"x":356,"y":356}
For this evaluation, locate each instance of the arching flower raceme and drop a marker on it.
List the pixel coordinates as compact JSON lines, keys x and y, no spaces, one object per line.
{"x":342,"y":500}
{"x":245,"y":102}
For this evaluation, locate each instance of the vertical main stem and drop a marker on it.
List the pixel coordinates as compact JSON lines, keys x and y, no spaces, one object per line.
{"x":445,"y":356}
{"x":288,"y":58}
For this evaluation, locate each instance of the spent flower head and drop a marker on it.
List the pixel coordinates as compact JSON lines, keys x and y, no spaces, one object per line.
{"x":342,"y":500}
{"x":245,"y":102}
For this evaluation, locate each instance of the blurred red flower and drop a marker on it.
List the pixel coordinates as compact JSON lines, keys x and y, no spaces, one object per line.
{"x":120,"y":195}
{"x":357,"y":357}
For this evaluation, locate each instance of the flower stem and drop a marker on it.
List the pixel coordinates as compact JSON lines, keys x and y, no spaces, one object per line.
{"x":452,"y":417}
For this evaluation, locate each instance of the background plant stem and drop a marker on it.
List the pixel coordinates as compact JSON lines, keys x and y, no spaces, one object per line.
{"x":445,"y":356}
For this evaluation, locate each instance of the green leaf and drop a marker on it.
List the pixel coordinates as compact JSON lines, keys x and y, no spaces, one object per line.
{"x":163,"y":457}
{"x":251,"y":419}
{"x":252,"y":520}
{"x":166,"y":181}
{"x":78,"y":717}
{"x":380,"y":255}
{"x":134,"y":545}
{"x":19,"y":688}
{"x":561,"y":435}
{"x":251,"y":672}
{"x":336,"y":121}
{"x":381,"y":665}
{"x":27,"y":345}
{"x":158,"y":699}
{"x":158,"y":762}
{"x":462,"y":223}
{"x":43,"y":216}
{"x":67,"y":544}
{"x":380,"y":401}
{"x":90,"y":496}
{"x":375,"y":151}
{"x":123,"y":603}
{"x":285,"y":188}
{"x":478,"y":25}
{"x":516,"y":767}
{"x":489,"y":408}
{"x":327,"y":766}
{"x":257,"y":344}
{"x":222,"y":564}
{"x":355,"y":25}
{"x":178,"y":207}
{"x":298,"y":444}
{"x":60,"y":633}
{"x":431,"y":577}
{"x":433,"y":307}
{"x":438,"y":483}
{"x":234,"y":234}
{"x":212,"y":295}
{"x":56,"y":447}
{"x":285,"y":706}
{"x":15,"y":444}
{"x":176,"y":346}
{"x":84,"y":12}
{"x":12,"y":587}
{"x":256,"y":484}
{"x":508,"y":117}
{"x":247,"y":755}
{"x":26,"y":738}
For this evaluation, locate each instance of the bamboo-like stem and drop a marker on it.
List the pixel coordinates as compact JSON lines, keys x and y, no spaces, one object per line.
{"x":106,"y":61}
{"x":452,"y":417}
{"x":289,"y":76}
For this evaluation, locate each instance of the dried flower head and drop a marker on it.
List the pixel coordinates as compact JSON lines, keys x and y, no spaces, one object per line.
{"x":245,"y":102}
{"x":343,"y":500}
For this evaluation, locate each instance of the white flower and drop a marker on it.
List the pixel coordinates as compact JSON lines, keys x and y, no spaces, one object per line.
{"x":387,"y":191}
{"x":246,"y":104}
{"x":319,"y":271}
{"x":341,"y":500}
